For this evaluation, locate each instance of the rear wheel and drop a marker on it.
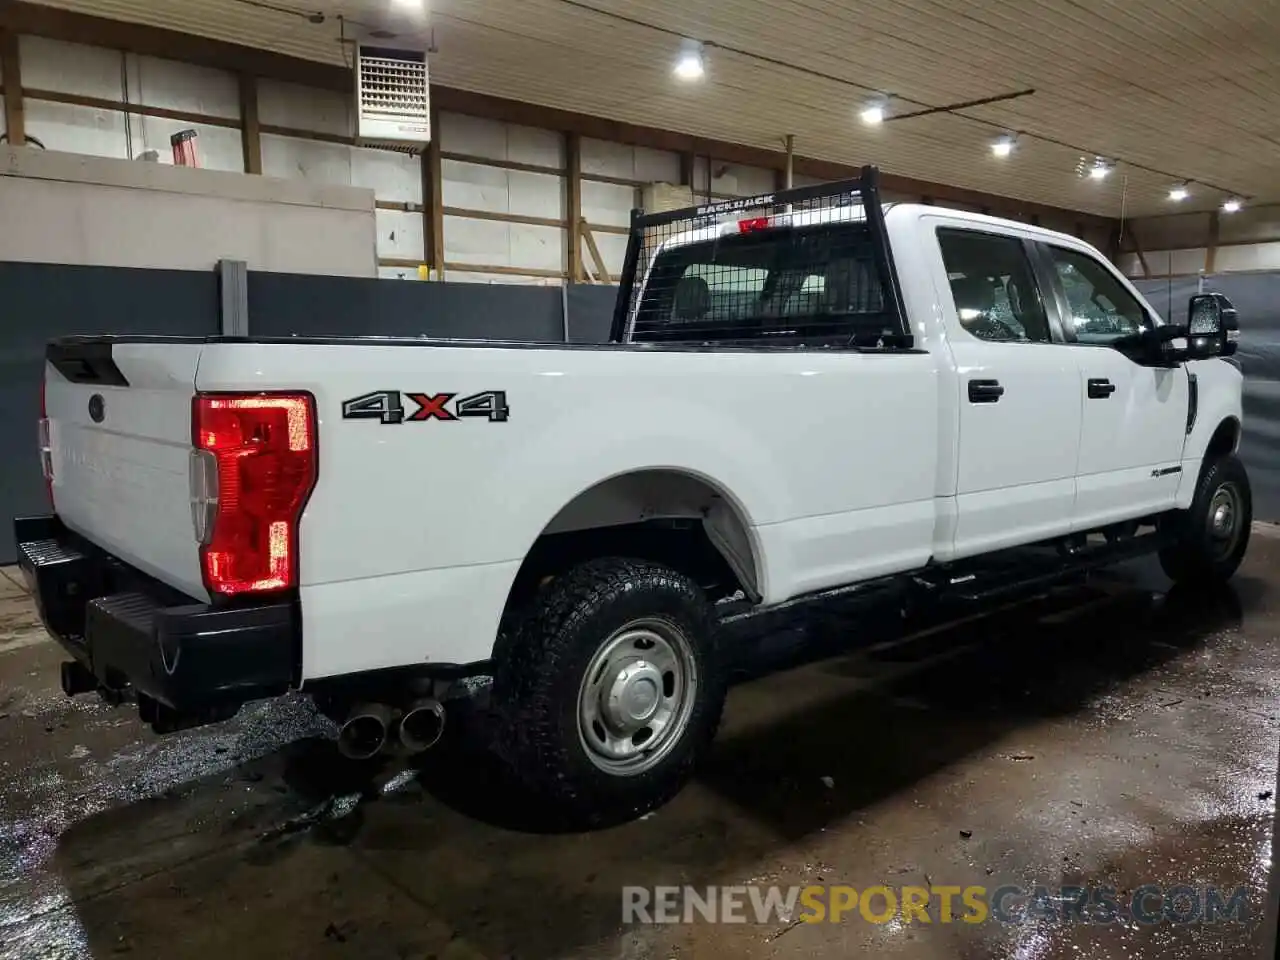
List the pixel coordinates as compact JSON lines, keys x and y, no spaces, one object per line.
{"x":608,"y":690}
{"x":1211,"y":537}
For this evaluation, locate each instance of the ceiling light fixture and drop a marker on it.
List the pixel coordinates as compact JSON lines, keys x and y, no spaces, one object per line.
{"x":904,"y":104}
{"x":1003,"y":146}
{"x":1100,"y":169}
{"x":874,"y":111}
{"x":1232,"y":205}
{"x":691,"y":64}
{"x":1179,"y":192}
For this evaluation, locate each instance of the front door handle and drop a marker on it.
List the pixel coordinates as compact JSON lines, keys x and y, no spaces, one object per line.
{"x":1100,"y":388}
{"x":985,"y":391}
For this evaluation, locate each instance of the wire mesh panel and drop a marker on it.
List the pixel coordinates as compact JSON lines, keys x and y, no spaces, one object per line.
{"x":806,"y":268}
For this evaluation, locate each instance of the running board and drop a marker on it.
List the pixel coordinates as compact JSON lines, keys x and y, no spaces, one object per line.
{"x":1009,"y":575}
{"x":1022,"y":571}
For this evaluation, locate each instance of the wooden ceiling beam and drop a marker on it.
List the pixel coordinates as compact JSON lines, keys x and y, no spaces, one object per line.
{"x":11,"y":83}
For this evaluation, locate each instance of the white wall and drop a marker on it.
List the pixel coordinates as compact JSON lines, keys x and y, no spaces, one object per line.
{"x":1241,"y":258}
{"x":731,"y":179}
{"x":483,"y":188}
{"x":1244,"y":258}
{"x":120,"y":213}
{"x":1248,"y":240}
{"x":72,"y":68}
{"x":394,"y":177}
{"x":1163,"y":263}
{"x":504,"y":185}
{"x":68,"y":68}
{"x":1248,"y":257}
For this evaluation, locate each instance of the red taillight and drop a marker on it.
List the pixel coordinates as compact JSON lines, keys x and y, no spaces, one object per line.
{"x":754,"y":224}
{"x":46,"y":446}
{"x":263,"y":452}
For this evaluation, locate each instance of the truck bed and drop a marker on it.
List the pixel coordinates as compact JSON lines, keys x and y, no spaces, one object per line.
{"x":443,"y":499}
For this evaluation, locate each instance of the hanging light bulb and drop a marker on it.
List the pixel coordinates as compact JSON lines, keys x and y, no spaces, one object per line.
{"x":874,"y":111}
{"x":1179,"y":192}
{"x":1003,"y":146}
{"x":1232,"y":205}
{"x":691,"y":64}
{"x":1101,"y":168}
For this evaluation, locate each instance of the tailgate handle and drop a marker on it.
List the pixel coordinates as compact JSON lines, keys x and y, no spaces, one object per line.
{"x":85,"y":361}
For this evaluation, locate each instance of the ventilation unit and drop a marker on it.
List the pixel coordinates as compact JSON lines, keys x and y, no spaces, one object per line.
{"x":392,"y":98}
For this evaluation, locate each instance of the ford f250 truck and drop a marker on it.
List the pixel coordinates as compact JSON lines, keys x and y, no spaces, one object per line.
{"x":804,"y":392}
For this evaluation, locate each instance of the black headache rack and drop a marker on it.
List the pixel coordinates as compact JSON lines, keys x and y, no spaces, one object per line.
{"x":804,"y":268}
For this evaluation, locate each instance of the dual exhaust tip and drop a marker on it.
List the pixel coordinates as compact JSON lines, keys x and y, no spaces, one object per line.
{"x":362,"y":735}
{"x":369,"y":726}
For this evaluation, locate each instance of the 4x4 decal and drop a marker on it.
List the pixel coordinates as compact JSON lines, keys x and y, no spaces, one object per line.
{"x":385,"y":406}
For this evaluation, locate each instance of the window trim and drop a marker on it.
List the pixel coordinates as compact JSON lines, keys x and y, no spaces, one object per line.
{"x":1056,"y":301}
{"x":1050,"y":305}
{"x":1063,"y":303}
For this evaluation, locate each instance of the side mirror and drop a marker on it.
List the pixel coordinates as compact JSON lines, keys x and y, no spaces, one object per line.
{"x":1156,"y":346}
{"x":1213,"y":329}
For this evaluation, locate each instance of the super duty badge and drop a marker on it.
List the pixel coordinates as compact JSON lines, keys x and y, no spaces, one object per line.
{"x":385,"y":406}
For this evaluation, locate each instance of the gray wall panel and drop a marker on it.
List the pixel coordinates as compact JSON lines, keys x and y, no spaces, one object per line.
{"x":1169,"y":297}
{"x":285,"y":304}
{"x":590,"y":312}
{"x":1257,"y":297}
{"x":50,"y":300}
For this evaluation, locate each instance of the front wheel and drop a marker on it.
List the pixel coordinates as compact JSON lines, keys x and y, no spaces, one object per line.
{"x":609,"y":689}
{"x":1211,"y":537}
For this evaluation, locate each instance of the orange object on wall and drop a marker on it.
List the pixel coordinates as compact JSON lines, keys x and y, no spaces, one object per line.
{"x":184,"y":149}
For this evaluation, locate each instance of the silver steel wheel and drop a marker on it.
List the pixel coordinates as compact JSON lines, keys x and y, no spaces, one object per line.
{"x":1224,"y":520}
{"x":636,"y":696}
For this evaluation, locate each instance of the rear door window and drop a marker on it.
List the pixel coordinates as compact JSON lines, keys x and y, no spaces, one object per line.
{"x":994,"y":288}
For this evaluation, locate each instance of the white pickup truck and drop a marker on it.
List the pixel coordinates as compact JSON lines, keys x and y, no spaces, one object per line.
{"x":805,"y":391}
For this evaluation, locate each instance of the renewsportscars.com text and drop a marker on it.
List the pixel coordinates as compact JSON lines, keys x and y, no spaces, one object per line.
{"x":1147,"y":904}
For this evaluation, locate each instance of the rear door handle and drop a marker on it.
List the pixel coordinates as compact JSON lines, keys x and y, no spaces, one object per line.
{"x":985,"y":391}
{"x":1100,"y":388}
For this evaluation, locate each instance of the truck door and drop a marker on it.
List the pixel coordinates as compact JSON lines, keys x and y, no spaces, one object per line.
{"x":1134,"y":421}
{"x":1019,"y":401}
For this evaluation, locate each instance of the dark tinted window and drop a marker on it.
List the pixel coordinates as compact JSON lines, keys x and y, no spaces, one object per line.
{"x":995,"y":292}
{"x":805,"y":286}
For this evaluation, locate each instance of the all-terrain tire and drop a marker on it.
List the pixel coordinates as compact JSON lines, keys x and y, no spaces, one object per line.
{"x":1211,"y":537}
{"x":539,"y":670}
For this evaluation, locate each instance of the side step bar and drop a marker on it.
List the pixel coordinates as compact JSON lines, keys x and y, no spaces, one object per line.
{"x":1010,"y":575}
{"x":1027,"y":572}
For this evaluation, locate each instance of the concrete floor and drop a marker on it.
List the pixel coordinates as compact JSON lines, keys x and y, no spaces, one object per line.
{"x":1106,"y":734}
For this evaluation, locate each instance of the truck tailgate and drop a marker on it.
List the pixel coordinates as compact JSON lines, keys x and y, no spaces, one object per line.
{"x":120,"y":442}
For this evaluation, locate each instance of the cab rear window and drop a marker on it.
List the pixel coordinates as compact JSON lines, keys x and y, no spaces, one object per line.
{"x":801,"y":286}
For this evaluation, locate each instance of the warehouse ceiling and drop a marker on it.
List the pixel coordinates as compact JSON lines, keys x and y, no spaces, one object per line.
{"x":1171,"y":90}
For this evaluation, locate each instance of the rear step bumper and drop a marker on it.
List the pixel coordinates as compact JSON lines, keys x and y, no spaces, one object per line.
{"x":184,"y":662}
